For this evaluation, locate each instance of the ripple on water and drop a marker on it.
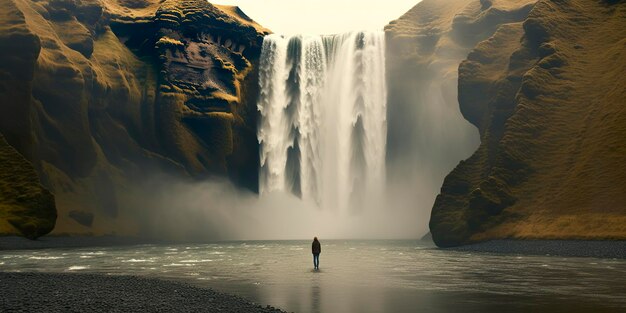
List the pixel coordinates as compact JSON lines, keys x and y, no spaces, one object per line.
{"x":398,"y":267}
{"x":46,"y":257}
{"x":178,"y":264}
{"x":94,"y":253}
{"x":137,"y":261}
{"x":77,"y":268}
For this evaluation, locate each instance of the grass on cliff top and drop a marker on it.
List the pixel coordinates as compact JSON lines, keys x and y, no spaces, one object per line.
{"x":132,"y":10}
{"x":236,"y":13}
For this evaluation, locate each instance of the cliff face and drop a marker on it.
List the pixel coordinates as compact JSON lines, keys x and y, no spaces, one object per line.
{"x":547,"y":95}
{"x":427,"y":134}
{"x":97,"y":94}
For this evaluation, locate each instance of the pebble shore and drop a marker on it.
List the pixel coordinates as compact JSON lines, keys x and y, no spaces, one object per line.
{"x":44,"y":292}
{"x":606,"y":249}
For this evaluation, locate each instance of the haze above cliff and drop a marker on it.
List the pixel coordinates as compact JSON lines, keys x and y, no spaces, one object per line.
{"x":323,"y":17}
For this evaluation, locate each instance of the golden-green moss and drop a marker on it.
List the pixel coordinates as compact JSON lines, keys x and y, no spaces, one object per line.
{"x":548,"y":98}
{"x":26,"y":208}
{"x":169,"y":42}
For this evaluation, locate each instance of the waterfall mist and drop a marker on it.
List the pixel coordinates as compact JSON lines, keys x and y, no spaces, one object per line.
{"x":329,"y":166}
{"x":169,"y":208}
{"x":322,"y":133}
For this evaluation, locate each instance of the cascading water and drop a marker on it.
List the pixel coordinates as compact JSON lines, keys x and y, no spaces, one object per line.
{"x":322,"y":131}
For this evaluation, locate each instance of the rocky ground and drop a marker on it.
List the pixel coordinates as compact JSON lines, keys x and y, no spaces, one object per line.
{"x":569,"y":248}
{"x":39,"y":292}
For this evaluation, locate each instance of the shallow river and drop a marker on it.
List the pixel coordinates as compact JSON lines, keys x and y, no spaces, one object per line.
{"x":357,"y":276}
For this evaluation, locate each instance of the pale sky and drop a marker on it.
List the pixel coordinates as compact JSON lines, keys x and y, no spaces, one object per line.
{"x":322,"y":16}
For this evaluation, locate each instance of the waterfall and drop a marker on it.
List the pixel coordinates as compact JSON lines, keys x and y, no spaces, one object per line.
{"x":322,"y":129}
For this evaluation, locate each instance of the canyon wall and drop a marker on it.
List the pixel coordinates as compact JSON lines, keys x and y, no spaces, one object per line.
{"x":100,"y":94}
{"x":427,"y":133}
{"x":546,"y":91}
{"x":548,"y":98}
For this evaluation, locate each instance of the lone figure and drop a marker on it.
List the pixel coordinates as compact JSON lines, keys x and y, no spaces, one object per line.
{"x":316,"y":247}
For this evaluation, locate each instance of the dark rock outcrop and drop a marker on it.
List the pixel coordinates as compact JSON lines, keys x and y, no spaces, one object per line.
{"x":547,"y":95}
{"x":97,"y":94}
{"x":26,"y":208}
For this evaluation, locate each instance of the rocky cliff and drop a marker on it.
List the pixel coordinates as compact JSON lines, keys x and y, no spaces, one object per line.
{"x":547,"y":94}
{"x":97,"y":94}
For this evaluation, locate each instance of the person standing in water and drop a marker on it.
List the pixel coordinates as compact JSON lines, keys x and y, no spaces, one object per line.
{"x":316,"y":247}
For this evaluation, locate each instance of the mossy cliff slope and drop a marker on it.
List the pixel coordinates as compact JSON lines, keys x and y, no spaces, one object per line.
{"x":99,"y":94}
{"x":548,"y":97}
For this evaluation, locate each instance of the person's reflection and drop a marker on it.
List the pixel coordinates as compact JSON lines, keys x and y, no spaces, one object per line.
{"x":315,"y":294}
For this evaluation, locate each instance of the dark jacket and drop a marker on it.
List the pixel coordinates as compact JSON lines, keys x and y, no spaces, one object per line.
{"x":316,"y":247}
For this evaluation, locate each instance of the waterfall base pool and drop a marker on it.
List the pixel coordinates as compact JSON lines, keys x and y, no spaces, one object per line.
{"x":356,"y":276}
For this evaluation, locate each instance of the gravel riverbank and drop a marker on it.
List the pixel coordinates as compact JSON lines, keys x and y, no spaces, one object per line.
{"x":606,"y":249}
{"x":44,"y":292}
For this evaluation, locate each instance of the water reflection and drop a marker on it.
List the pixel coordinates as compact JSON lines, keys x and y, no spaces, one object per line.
{"x":315,"y":292}
{"x":358,"y":276}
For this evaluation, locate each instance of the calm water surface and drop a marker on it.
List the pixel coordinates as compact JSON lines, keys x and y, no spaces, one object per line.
{"x":357,"y":276}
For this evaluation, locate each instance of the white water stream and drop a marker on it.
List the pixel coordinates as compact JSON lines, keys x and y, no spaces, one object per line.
{"x":322,"y":131}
